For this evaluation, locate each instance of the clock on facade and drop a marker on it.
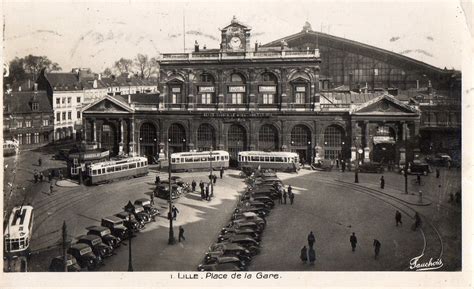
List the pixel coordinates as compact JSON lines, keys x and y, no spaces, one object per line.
{"x":235,"y":42}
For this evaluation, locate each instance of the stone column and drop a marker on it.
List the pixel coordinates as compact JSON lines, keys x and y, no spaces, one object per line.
{"x":121,"y":137}
{"x":353,"y":141}
{"x":252,"y":91}
{"x":367,"y":137}
{"x":131,"y":145}
{"x":84,"y":131}
{"x":220,"y":93}
{"x":94,"y":130}
{"x":191,"y":101}
{"x":283,"y":91}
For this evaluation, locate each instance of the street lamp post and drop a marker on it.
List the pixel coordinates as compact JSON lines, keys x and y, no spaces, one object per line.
{"x":211,"y":175}
{"x":129,"y":208}
{"x":171,"y":239}
{"x":406,"y":161}
{"x":310,"y":161}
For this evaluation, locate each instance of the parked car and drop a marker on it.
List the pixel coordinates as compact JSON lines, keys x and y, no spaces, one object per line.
{"x":140,"y":214}
{"x":146,"y":204}
{"x":246,"y":242}
{"x":106,"y":235}
{"x":230,"y":248}
{"x":249,"y":217}
{"x":323,"y":165}
{"x":261,"y":212}
{"x":115,"y":224}
{"x":259,"y":198}
{"x":57,"y":264}
{"x":256,"y":204}
{"x":439,"y":159}
{"x":245,"y":225}
{"x":251,"y":234}
{"x":98,"y":247}
{"x":84,"y":256}
{"x":219,"y":267}
{"x":130,"y":221}
{"x":162,"y":191}
{"x":225,"y":260}
{"x":371,"y":167}
{"x":220,"y":253}
{"x":415,"y":168}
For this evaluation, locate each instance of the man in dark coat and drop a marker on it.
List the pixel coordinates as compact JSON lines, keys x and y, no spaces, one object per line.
{"x":201,"y":185}
{"x":292,"y":198}
{"x":398,"y":217}
{"x":175,"y":212}
{"x":207,"y":193}
{"x":356,"y":176}
{"x":193,"y":185}
{"x":382,"y":182}
{"x":377,"y":246}
{"x":312,"y":256}
{"x":353,"y":240}
{"x":157,"y":180}
{"x":214,"y":179}
{"x":284,"y":196}
{"x":343,"y":165}
{"x":181,"y":234}
{"x":304,"y":254}
{"x":311,"y":239}
{"x":290,"y":190}
{"x":280,"y":197}
{"x":221,"y":172}
{"x":437,"y":173}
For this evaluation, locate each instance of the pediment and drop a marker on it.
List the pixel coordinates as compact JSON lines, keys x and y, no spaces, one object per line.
{"x":107,"y":105}
{"x":386,"y":105}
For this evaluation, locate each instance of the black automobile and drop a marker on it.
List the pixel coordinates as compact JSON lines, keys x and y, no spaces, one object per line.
{"x":371,"y":167}
{"x":226,"y":237}
{"x":106,"y":235}
{"x":245,"y":225}
{"x":57,"y":264}
{"x":140,"y":214}
{"x":416,"y":168}
{"x":162,"y":191}
{"x":249,"y":217}
{"x":115,"y":224}
{"x":246,"y":242}
{"x":84,"y":256}
{"x":130,"y":221}
{"x":220,"y":253}
{"x":230,"y":248}
{"x":98,"y":247}
{"x":259,"y":198}
{"x":439,"y":159}
{"x":255,"y":204}
{"x":227,"y":232}
{"x":261,"y":212}
{"x":219,"y":267}
{"x":225,"y":260}
{"x":146,"y":204}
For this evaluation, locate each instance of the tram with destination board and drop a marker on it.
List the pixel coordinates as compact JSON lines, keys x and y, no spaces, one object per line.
{"x":18,"y":232}
{"x":278,"y":161}
{"x":10,"y":147}
{"x":188,"y":161}
{"x":104,"y":172}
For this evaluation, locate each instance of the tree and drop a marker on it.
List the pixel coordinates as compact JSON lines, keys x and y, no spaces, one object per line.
{"x":107,"y":72}
{"x":146,"y":66}
{"x":123,"y":65}
{"x":29,"y":67}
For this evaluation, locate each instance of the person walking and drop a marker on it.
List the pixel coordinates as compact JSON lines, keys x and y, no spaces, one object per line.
{"x":312,"y":256}
{"x":175,"y":212}
{"x":304,"y":254}
{"x":51,"y":186}
{"x":280,"y":197}
{"x":290,"y":190}
{"x":152,"y":198}
{"x":353,"y":240}
{"x":398,"y":218}
{"x":157,"y":180}
{"x":356,"y":176}
{"x":181,"y":234}
{"x":41,"y":177}
{"x":201,"y":185}
{"x":285,"y":195}
{"x":40,"y":162}
{"x":221,"y":172}
{"x":382,"y":182}
{"x":311,"y":239}
{"x":193,"y":185}
{"x":377,"y":246}
{"x":207,"y":193}
{"x":437,"y":173}
{"x":343,"y":165}
{"x":214,"y":179}
{"x":292,"y":198}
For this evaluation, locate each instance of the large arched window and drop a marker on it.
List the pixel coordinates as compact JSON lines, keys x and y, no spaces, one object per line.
{"x":206,"y":89}
{"x":177,"y":137}
{"x":268,"y":88}
{"x":268,"y":138}
{"x":109,"y":138}
{"x":333,"y":142}
{"x":206,"y":138}
{"x":300,"y":135}
{"x":236,"y":140}
{"x":148,"y":140}
{"x":236,"y":89}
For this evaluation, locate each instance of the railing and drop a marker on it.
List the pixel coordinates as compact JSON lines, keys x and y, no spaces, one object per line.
{"x":335,"y":107}
{"x":440,"y":124}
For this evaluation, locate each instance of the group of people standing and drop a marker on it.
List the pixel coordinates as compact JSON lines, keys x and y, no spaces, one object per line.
{"x":207,"y":193}
{"x":309,"y":254}
{"x":376,"y":244}
{"x":284,"y":194}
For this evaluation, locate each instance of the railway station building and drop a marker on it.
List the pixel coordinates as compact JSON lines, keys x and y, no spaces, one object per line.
{"x":321,"y":96}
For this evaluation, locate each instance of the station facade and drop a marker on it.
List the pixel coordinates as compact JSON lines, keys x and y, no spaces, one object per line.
{"x":243,"y":97}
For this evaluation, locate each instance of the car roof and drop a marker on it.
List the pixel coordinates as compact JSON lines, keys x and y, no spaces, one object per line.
{"x":80,"y":246}
{"x":142,"y":200}
{"x":97,"y":228}
{"x":249,"y":214}
{"x":112,"y":219}
{"x":88,"y":237}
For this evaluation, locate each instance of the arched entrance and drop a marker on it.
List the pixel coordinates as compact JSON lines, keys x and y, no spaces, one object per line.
{"x":206,"y":137}
{"x":236,"y":142}
{"x":301,"y":142}
{"x":384,"y":145}
{"x":268,"y":138}
{"x":108,"y":138}
{"x":333,"y":142}
{"x":177,"y":138}
{"x":148,"y":140}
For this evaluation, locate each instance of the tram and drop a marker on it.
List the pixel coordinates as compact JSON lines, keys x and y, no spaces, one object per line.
{"x":278,"y":161}
{"x":10,"y":147}
{"x":18,"y":232}
{"x":104,"y":172}
{"x":189,"y":161}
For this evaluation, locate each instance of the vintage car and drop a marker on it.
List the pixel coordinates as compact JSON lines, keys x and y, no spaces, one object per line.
{"x":255,"y":204}
{"x":146,"y":204}
{"x":415,"y":168}
{"x":439,"y":159}
{"x":254,"y":235}
{"x":220,"y":253}
{"x":261,"y":212}
{"x":140,"y":214}
{"x":249,"y":217}
{"x":162,"y":191}
{"x":245,"y":225}
{"x":98,"y":247}
{"x":259,"y":198}
{"x":245,"y":242}
{"x":225,"y":260}
{"x":323,"y":165}
{"x":106,"y":235}
{"x":130,"y":221}
{"x":371,"y":167}
{"x":57,"y":264}
{"x":84,"y":256}
{"x":115,"y":224}
{"x":230,"y":248}
{"x":219,"y":267}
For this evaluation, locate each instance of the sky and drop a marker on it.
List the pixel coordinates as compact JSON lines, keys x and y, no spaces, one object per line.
{"x":95,"y":35}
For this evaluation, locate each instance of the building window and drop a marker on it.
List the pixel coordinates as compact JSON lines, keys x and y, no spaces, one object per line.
{"x":237,"y":98}
{"x":58,"y":101}
{"x":268,"y":98}
{"x":19,"y":124}
{"x":20,"y":138}
{"x":300,"y":94}
{"x":69,"y":115}
{"x":64,"y":116}
{"x":28,"y":138}
{"x":63,"y":100}
{"x":175,"y":95}
{"x":78,"y":99}
{"x":45,"y":137}
{"x":58,"y":117}
{"x":45,"y":122}
{"x":332,"y":142}
{"x":78,"y":115}
{"x":27,"y":123}
{"x":206,"y":98}
{"x":205,"y":137}
{"x":268,"y":138}
{"x":35,"y":106}
{"x":68,"y":100}
{"x":36,"y":138}
{"x":300,"y":135}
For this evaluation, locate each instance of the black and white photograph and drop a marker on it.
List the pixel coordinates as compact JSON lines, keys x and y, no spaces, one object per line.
{"x":241,"y":142}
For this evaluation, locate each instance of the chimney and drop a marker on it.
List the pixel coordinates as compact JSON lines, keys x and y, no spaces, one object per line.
{"x":196,"y":46}
{"x":94,"y":85}
{"x":129,"y":99}
{"x":256,"y":46}
{"x":29,"y":84}
{"x":204,"y":47}
{"x":100,"y":76}
{"x":36,"y":86}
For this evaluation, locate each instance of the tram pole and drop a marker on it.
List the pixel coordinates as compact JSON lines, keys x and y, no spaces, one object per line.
{"x":171,"y":239}
{"x":211,"y":176}
{"x":406,"y":160}
{"x":64,"y":236}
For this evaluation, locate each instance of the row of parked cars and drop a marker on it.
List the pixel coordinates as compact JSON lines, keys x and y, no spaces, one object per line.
{"x":240,"y":240}
{"x":99,"y":243}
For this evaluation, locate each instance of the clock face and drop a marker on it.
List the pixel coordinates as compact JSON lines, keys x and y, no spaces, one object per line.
{"x":235,"y":42}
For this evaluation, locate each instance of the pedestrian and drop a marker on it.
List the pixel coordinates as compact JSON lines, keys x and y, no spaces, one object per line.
{"x":50,"y":177}
{"x":201,"y":185}
{"x":181,"y":234}
{"x":290,"y":190}
{"x":40,"y":162}
{"x":36,"y":176}
{"x":312,"y":256}
{"x":377,"y":246}
{"x":356,"y":176}
{"x":437,"y":173}
{"x":214,"y":179}
{"x":382,"y":182}
{"x":221,"y":172}
{"x":353,"y":240}
{"x":311,"y":239}
{"x":292,"y":197}
{"x":417,"y":223}
{"x":152,"y":198}
{"x":157,"y":180}
{"x":449,"y":164}
{"x":398,"y":218}
{"x":170,"y":215}
{"x":418,"y":179}
{"x":337,"y":163}
{"x":280,"y":197}
{"x":41,"y":177}
{"x":51,"y":189}
{"x":207,"y":193}
{"x":193,"y":185}
{"x":284,"y":196}
{"x":175,"y":212}
{"x":304,"y":254}
{"x":343,"y":165}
